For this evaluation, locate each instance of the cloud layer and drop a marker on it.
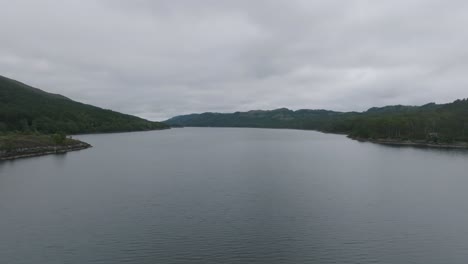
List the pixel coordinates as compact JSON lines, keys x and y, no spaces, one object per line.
{"x":157,"y":59}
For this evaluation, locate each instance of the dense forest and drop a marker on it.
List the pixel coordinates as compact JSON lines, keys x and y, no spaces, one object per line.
{"x":431,"y":122}
{"x":27,"y":109}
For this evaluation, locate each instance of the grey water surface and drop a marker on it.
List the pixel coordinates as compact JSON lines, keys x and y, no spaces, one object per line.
{"x":235,"y":195}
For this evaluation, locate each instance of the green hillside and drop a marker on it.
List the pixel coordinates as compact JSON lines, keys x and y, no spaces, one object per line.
{"x":431,"y":122}
{"x":279,"y":118}
{"x":27,"y":109}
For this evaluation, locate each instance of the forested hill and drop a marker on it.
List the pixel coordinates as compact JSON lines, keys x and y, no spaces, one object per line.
{"x":27,"y":109}
{"x":279,"y":118}
{"x":431,"y":122}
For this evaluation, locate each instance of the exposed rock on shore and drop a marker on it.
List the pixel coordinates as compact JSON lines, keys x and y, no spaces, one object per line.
{"x":414,"y":143}
{"x":14,"y":146}
{"x":39,"y":151}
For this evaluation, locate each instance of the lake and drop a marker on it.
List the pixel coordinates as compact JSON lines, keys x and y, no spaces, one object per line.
{"x":235,"y":195}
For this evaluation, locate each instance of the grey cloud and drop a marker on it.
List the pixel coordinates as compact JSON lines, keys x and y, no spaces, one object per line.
{"x":157,"y":59}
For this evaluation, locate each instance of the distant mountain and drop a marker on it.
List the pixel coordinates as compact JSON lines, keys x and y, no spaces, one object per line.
{"x":24,"y":108}
{"x":431,"y":122}
{"x":279,"y":118}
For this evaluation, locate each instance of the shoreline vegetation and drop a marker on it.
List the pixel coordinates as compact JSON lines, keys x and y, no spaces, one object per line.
{"x":25,"y":109}
{"x":430,"y":125}
{"x":34,"y":122}
{"x":15,"y":146}
{"x":413,"y":143}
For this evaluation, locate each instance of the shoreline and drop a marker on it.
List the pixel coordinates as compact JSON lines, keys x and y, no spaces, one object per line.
{"x":409,"y":143}
{"x":27,"y":146}
{"x":390,"y":142}
{"x":28,"y":152}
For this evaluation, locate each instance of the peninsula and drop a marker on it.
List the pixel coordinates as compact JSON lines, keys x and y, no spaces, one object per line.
{"x":34,"y":122}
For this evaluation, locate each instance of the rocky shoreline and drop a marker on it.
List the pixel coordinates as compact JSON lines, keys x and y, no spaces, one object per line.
{"x":41,"y":151}
{"x":410,"y":143}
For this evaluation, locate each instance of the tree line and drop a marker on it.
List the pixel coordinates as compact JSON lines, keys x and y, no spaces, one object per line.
{"x":430,"y":122}
{"x":26,"y":109}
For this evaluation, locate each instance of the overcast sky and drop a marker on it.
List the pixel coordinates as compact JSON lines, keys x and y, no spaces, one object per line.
{"x":157,"y":59}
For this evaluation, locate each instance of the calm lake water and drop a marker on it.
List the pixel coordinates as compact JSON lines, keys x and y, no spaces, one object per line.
{"x":227,"y":195}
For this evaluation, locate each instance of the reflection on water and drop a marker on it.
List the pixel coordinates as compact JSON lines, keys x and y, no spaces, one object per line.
{"x":59,"y":158}
{"x":444,"y":151}
{"x":201,"y":195}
